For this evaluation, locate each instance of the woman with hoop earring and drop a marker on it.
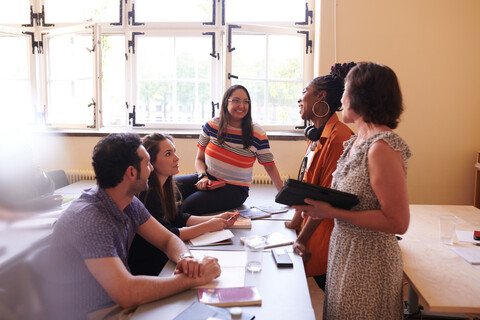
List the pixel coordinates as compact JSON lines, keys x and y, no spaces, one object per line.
{"x":319,"y":103}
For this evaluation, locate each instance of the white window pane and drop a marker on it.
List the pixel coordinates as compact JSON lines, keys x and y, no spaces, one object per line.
{"x":282,"y":108}
{"x":113,"y":81}
{"x":265,"y":10}
{"x":17,"y":11}
{"x":274,"y":91}
{"x":70,"y":79}
{"x":15,"y":88}
{"x":174,"y":76}
{"x":85,"y":10}
{"x":285,"y":57}
{"x":173,"y":10}
{"x":249,"y":56}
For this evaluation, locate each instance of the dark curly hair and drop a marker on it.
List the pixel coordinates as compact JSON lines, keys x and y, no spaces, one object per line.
{"x":375,"y":94}
{"x":113,"y":155}
{"x":333,"y":84}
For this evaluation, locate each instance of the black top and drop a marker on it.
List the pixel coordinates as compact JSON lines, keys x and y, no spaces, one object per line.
{"x":144,"y":258}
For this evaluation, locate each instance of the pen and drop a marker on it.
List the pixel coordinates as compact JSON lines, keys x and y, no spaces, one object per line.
{"x":230,"y":219}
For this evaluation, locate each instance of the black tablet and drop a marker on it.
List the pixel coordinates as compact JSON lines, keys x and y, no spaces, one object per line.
{"x":294,"y":191}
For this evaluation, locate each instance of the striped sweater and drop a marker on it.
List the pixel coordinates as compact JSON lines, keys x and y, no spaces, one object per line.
{"x":230,"y":161}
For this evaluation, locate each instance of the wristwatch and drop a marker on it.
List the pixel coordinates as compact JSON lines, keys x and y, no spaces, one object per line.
{"x":185,"y":255}
{"x":201,"y":175}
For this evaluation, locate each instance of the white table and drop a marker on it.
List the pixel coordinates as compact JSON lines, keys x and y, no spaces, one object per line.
{"x":441,"y":279}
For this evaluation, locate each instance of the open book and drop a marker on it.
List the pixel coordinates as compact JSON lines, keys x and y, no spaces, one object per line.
{"x":212,"y":238}
{"x":272,"y":208}
{"x":254,"y":213}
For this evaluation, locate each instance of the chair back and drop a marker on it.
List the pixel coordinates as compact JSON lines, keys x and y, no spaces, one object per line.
{"x":59,"y":177}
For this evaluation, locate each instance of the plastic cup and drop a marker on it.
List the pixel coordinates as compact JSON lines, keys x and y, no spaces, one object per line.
{"x":447,"y":225}
{"x":254,"y":247}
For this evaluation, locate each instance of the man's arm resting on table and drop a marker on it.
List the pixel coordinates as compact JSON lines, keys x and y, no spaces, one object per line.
{"x":176,"y":250}
{"x":127,"y":290}
{"x":159,"y":236}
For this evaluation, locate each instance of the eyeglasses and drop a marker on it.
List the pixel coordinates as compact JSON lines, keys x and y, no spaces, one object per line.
{"x":236,"y":102}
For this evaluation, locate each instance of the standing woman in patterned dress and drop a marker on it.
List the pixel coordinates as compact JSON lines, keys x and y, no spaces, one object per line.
{"x":364,"y":275}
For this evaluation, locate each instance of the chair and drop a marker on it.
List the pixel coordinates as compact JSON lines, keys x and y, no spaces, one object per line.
{"x":59,"y":177}
{"x":49,"y":295}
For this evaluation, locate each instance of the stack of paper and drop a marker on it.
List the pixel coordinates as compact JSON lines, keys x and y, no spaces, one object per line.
{"x":232,"y":264}
{"x":470,"y":254}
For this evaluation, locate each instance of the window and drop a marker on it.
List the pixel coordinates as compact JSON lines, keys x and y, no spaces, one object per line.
{"x":96,"y":64}
{"x":16,"y":78}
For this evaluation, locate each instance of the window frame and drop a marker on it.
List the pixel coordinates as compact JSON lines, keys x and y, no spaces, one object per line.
{"x":221,"y":65}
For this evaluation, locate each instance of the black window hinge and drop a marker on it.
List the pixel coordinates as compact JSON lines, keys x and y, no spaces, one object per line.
{"x":131,"y":43}
{"x":230,"y":27}
{"x":39,"y":18}
{"x":132,"y":118}
{"x":35,"y":44}
{"x":131,"y":15}
{"x":214,"y":14}
{"x":214,"y":53}
{"x":120,"y":20}
{"x":308,"y":13}
{"x":308,"y":42}
{"x":94,"y":114}
{"x":213,"y":108}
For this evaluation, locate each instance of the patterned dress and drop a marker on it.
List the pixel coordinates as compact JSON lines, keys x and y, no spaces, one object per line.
{"x":364,"y":275}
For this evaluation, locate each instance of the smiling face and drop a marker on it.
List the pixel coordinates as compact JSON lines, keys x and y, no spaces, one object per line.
{"x":166,"y":162}
{"x":306,"y":102}
{"x":238,"y":106}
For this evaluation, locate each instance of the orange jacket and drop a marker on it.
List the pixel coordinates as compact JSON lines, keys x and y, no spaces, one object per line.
{"x":323,"y":164}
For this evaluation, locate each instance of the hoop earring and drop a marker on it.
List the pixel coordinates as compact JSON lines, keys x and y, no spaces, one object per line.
{"x":328,"y":109}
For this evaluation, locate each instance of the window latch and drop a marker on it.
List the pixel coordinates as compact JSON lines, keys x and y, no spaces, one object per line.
{"x":213,"y":108}
{"x":91,"y":103}
{"x":39,"y":18}
{"x":230,"y":27}
{"x":133,"y":117}
{"x":131,"y":43}
{"x":214,"y":53}
{"x":214,"y":14}
{"x":131,"y":15}
{"x":308,"y":13}
{"x":230,"y":76}
{"x":308,"y":42}
{"x":35,"y":44}
{"x":120,"y":20}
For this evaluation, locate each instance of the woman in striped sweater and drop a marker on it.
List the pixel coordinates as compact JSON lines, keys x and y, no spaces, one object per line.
{"x":228,"y":147}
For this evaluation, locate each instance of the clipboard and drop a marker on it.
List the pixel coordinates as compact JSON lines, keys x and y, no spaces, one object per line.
{"x":294,"y":191}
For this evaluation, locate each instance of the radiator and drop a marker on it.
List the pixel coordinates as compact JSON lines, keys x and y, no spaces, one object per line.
{"x":75,"y":175}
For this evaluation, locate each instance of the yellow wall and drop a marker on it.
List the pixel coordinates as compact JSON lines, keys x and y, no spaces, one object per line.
{"x":432,"y":45}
